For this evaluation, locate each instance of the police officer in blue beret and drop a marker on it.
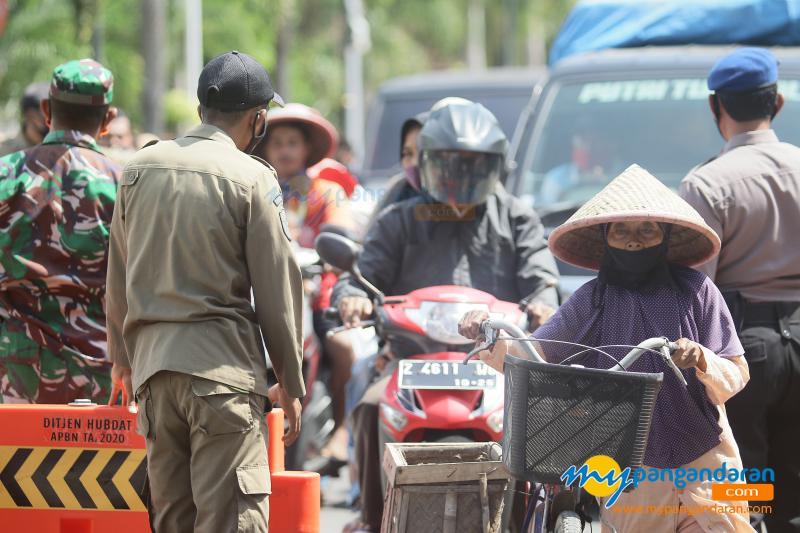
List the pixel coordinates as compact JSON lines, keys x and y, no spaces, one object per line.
{"x":750,"y":195}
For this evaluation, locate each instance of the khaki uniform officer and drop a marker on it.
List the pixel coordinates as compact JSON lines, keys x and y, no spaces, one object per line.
{"x":198,"y":225}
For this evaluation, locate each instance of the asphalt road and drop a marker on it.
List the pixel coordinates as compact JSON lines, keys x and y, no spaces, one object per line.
{"x":335,"y":513}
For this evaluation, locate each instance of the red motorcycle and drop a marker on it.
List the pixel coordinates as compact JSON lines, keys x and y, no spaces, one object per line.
{"x":431,"y":396}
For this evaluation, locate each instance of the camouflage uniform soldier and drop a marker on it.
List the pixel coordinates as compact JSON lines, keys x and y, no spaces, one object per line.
{"x":56,"y":203}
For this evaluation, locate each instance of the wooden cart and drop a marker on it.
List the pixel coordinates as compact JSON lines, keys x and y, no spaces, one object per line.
{"x":444,"y":488}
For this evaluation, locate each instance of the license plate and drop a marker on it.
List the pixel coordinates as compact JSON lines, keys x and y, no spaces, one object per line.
{"x":414,"y":374}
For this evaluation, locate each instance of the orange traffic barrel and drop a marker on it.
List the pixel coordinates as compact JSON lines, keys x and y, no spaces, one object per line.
{"x":81,"y":468}
{"x":295,"y":498}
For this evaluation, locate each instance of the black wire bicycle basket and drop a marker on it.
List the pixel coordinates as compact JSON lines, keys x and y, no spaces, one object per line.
{"x":558,"y":416}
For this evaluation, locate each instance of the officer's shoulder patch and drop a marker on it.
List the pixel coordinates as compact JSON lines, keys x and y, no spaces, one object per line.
{"x":284,"y":223}
{"x":276,"y":197}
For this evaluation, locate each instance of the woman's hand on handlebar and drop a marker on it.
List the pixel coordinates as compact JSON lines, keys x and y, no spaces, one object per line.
{"x":688,"y":354}
{"x":354,"y":309}
{"x":470,"y":324}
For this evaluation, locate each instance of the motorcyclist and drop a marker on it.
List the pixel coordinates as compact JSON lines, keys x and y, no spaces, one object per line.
{"x":406,"y":184}
{"x":465,"y":229}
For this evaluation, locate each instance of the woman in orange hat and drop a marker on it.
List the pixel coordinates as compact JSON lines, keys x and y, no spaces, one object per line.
{"x":298,"y":144}
{"x":299,"y":137}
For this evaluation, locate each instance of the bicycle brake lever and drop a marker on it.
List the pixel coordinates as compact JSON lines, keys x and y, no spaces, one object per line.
{"x":475,"y":351}
{"x":665,"y":353}
{"x":489,"y":335}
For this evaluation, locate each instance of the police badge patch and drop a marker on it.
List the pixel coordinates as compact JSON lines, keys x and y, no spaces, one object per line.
{"x":277,"y":201}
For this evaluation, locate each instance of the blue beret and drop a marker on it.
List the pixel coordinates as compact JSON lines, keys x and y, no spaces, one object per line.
{"x":744,"y":69}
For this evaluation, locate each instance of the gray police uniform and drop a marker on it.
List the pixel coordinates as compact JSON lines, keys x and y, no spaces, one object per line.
{"x":750,"y":195}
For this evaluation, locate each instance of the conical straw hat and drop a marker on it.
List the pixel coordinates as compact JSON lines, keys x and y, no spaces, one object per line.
{"x":635,"y":195}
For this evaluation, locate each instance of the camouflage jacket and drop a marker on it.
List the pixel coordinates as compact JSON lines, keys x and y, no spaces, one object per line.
{"x":56,"y":203}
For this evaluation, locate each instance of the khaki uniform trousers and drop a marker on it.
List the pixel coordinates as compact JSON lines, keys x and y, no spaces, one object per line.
{"x":206,"y":455}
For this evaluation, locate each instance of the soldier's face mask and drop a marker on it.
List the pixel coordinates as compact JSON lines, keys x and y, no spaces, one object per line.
{"x":258,"y":133}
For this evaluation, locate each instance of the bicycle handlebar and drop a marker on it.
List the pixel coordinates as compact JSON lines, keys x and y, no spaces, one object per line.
{"x":662,"y":345}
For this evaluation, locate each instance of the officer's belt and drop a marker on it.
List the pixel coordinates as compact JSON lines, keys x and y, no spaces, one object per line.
{"x":776,"y":315}
{"x":770,"y":313}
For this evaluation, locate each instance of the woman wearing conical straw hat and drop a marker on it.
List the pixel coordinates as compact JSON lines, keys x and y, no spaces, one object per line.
{"x":643,"y":240}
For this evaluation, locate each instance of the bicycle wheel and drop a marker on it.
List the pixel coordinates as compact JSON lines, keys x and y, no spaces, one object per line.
{"x":568,"y":522}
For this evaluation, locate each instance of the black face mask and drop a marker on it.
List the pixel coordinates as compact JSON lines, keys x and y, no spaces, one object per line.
{"x":636,"y":270}
{"x":257,"y":137}
{"x":638,"y":261}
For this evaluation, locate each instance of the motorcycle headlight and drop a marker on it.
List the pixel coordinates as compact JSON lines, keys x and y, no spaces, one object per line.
{"x":394,"y":417}
{"x":439,"y":320}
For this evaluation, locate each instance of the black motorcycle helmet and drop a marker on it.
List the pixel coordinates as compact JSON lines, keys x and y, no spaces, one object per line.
{"x":462,"y":152}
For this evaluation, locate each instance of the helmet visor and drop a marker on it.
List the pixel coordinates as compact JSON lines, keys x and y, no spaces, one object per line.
{"x":459,"y":177}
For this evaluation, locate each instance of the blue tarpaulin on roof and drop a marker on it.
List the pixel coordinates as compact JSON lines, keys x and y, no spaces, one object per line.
{"x":599,"y":24}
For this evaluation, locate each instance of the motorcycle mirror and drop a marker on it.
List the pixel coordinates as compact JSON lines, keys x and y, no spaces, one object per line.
{"x":339,"y":230}
{"x":342,"y":253}
{"x":337,"y":251}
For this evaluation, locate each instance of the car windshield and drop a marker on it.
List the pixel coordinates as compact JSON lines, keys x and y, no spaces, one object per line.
{"x":592,"y":131}
{"x":506,"y":106}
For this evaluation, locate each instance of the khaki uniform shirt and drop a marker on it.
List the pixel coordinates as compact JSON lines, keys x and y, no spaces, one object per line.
{"x":750,"y":195}
{"x":197,"y":225}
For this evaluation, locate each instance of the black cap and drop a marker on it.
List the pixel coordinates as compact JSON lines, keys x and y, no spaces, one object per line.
{"x":235,"y":81}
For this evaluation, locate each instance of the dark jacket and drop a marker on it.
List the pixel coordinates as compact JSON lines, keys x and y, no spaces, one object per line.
{"x":502,"y":251}
{"x":397,"y":190}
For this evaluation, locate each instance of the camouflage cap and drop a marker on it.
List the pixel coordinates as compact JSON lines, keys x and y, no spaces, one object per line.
{"x":82,"y":81}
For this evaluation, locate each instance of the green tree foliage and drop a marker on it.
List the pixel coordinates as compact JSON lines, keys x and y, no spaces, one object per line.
{"x":407,"y":36}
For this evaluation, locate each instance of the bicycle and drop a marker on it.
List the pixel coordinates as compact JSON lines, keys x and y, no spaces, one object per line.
{"x":558,"y":416}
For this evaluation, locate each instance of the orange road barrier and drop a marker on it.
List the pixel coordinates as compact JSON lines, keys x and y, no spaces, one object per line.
{"x":81,"y":468}
{"x":275,"y":449}
{"x":295,"y":498}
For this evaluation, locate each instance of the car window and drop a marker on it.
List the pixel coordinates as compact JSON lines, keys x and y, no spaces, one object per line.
{"x":589,"y":132}
{"x":506,"y":106}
